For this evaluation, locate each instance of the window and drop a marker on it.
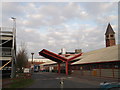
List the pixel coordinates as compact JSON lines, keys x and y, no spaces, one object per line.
{"x":107,"y":65}
{"x":117,"y":65}
{"x":111,"y":35}
{"x":107,"y":36}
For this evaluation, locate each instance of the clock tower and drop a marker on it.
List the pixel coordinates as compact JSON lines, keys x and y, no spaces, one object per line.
{"x":110,"y":36}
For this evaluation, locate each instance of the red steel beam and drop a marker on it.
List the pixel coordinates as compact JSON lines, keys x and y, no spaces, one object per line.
{"x":55,"y":54}
{"x":70,"y":67}
{"x":74,"y":57}
{"x":45,"y":53}
{"x":66,"y":68}
{"x":51,"y":54}
{"x":58,"y":68}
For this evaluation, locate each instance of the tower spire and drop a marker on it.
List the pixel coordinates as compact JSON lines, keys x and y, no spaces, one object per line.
{"x":110,"y":36}
{"x":109,"y":30}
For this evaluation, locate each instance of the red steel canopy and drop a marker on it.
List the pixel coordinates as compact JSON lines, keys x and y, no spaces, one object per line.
{"x":57,"y":58}
{"x":52,"y":56}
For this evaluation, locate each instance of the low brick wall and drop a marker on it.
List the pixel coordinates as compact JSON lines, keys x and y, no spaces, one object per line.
{"x":116,"y":73}
{"x":76,"y":73}
{"x":106,"y":72}
{"x":87,"y":72}
{"x":113,"y":73}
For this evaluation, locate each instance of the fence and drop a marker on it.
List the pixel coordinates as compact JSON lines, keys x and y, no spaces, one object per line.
{"x":6,"y":51}
{"x":113,"y":73}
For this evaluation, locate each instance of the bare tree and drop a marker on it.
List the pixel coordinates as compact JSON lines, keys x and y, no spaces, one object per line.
{"x":22,"y":57}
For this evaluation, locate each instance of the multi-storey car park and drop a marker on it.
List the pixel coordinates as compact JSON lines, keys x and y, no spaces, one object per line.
{"x":8,"y":51}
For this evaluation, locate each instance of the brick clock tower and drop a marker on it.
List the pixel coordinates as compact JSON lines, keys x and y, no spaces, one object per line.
{"x":110,"y":36}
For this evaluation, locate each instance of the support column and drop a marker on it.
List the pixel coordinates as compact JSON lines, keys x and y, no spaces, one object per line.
{"x":58,"y":68}
{"x":70,"y":67}
{"x":66,"y":67}
{"x":100,"y":69}
{"x":113,"y":70}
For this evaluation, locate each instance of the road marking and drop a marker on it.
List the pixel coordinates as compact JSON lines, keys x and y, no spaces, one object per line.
{"x":61,"y":78}
{"x":69,"y":77}
{"x":57,"y":78}
{"x":46,"y":79}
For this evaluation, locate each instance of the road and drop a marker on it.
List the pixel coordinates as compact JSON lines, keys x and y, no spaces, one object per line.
{"x":53,"y":80}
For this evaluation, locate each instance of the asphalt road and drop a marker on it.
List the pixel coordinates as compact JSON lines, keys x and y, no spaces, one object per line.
{"x":53,"y":80}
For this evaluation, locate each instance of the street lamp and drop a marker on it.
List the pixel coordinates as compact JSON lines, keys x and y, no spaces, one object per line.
{"x":32,"y":57}
{"x":13,"y":48}
{"x":14,"y":25}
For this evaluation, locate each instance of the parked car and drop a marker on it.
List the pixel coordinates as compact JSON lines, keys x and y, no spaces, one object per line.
{"x":36,"y":68}
{"x":110,"y":86}
{"x":27,"y":72}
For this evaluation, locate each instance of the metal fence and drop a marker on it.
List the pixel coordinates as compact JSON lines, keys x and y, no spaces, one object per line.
{"x":6,"y":51}
{"x":6,"y":31}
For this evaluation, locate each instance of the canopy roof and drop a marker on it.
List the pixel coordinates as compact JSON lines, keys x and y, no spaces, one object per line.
{"x":55,"y":57}
{"x":52,"y":56}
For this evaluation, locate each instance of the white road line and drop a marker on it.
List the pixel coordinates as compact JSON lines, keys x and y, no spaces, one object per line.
{"x":69,"y":77}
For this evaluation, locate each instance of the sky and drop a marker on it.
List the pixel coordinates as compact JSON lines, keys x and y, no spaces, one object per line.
{"x":56,"y":25}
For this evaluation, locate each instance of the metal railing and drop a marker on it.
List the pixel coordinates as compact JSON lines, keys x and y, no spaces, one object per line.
{"x":6,"y":31}
{"x":6,"y":51}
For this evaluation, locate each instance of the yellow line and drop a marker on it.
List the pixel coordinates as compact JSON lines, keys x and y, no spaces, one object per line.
{"x":5,"y":65}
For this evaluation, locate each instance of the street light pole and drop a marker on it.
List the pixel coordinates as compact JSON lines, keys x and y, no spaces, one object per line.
{"x":32,"y":62}
{"x":13,"y":48}
{"x":32,"y":57}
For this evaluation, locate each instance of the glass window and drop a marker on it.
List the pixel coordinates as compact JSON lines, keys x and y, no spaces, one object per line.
{"x":111,"y":35}
{"x":107,"y":36}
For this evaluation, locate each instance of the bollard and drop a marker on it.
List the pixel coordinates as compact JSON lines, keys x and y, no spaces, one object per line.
{"x":61,"y":83}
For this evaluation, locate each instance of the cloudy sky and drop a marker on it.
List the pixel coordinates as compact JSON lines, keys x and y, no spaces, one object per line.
{"x":56,"y":25}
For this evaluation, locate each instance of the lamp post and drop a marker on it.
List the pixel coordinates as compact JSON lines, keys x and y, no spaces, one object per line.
{"x":32,"y":57}
{"x":32,"y":61}
{"x":13,"y":48}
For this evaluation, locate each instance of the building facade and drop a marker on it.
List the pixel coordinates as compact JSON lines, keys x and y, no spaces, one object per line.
{"x":103,"y":62}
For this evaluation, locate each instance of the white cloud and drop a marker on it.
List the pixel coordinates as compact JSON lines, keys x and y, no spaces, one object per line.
{"x":57,"y":25}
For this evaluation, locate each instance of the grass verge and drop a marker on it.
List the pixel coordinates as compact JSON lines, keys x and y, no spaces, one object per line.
{"x":21,"y":83}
